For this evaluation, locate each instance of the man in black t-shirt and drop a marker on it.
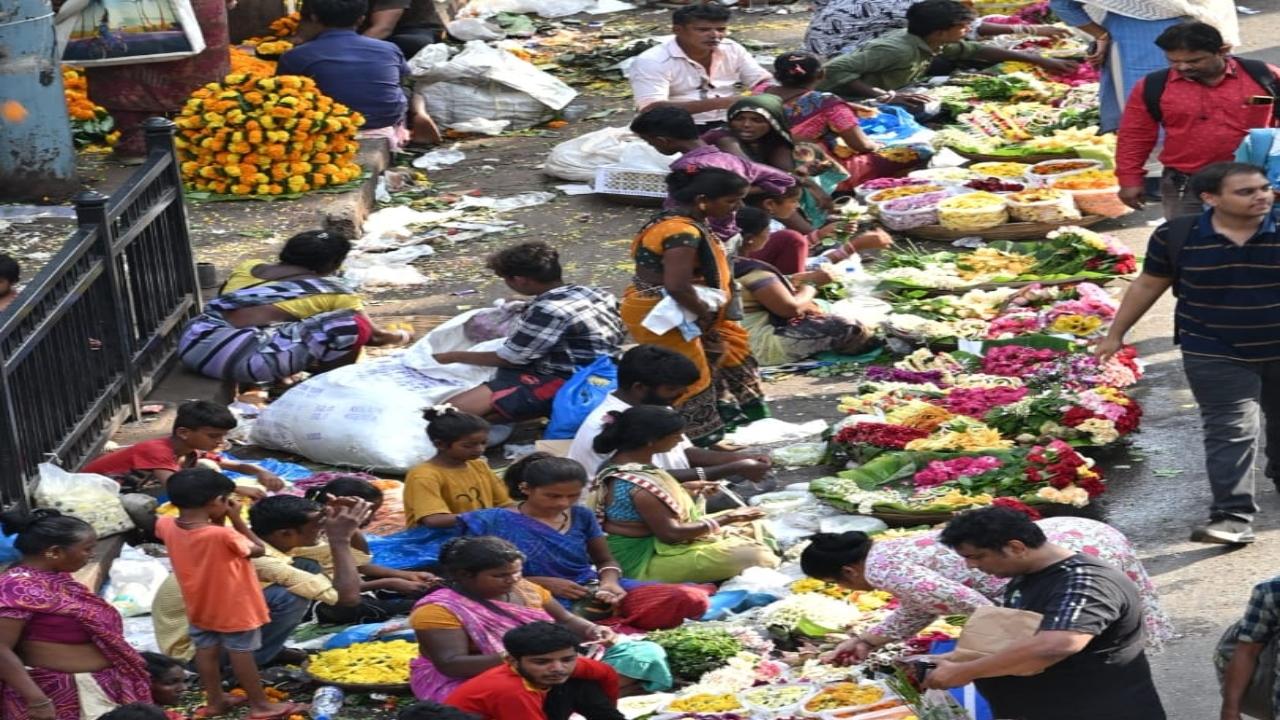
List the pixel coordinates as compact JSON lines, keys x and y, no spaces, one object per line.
{"x":1087,"y":659}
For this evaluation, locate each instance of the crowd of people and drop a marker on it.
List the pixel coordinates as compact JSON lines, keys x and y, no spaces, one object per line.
{"x":614,"y":539}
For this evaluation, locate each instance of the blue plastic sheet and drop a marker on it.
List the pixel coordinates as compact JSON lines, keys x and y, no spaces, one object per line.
{"x":413,"y":549}
{"x":291,"y":472}
{"x":581,"y":394}
{"x":365,"y":633}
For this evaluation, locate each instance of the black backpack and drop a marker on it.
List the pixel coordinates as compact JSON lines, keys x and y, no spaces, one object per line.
{"x":1153,"y":87}
{"x":1175,"y":238}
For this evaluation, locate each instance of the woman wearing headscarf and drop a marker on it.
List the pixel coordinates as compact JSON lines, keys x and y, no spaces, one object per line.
{"x":1125,"y":32}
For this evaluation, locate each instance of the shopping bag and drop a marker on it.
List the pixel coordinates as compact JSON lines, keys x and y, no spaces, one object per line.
{"x":990,"y":630}
{"x":582,"y":393}
{"x":125,"y":32}
{"x":94,"y":499}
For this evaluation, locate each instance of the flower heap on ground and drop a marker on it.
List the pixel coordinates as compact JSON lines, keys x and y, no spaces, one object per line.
{"x":266,"y":136}
{"x":91,"y":124}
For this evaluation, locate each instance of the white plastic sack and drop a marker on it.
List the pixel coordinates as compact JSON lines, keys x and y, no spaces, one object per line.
{"x":544,"y":8}
{"x":134,"y":581}
{"x":483,"y":82}
{"x":577,"y":159}
{"x":369,"y":415}
{"x":94,"y":499}
{"x":467,"y":29}
{"x":642,"y":156}
{"x":766,"y":580}
{"x":773,"y":430}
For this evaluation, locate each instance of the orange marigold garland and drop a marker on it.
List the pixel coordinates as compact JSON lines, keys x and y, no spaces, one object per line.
{"x":245,"y":61}
{"x":266,"y":136}
{"x":91,"y":124}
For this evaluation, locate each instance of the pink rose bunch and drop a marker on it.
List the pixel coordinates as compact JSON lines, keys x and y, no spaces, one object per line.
{"x":940,"y":472}
{"x":1017,"y":361}
{"x":1018,"y":322}
{"x":977,"y":402}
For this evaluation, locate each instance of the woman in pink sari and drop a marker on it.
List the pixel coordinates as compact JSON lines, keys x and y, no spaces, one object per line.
{"x":460,"y":627}
{"x":63,"y":655}
{"x":833,"y":123}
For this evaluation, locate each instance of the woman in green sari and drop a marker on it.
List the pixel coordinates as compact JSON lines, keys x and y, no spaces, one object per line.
{"x":656,"y":529}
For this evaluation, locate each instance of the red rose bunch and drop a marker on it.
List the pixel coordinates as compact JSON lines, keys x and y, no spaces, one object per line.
{"x":884,"y":435}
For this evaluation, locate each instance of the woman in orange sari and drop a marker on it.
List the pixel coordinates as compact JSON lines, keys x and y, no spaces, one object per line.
{"x":677,"y":256}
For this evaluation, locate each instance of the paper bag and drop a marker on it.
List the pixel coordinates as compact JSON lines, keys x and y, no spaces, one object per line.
{"x":990,"y":630}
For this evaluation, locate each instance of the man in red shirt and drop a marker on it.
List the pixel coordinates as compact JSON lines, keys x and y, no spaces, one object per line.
{"x":543,"y":679}
{"x":1209,"y":103}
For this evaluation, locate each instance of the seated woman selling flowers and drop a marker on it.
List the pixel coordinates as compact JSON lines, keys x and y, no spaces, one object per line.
{"x":655,"y":528}
{"x":460,"y":627}
{"x":566,"y":552}
{"x":274,"y":320}
{"x":930,"y":580}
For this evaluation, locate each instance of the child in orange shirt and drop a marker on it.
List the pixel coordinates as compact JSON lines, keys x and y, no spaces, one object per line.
{"x":224,"y":600}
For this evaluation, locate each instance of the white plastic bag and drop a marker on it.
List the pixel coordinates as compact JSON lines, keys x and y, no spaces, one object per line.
{"x":94,"y":499}
{"x":486,"y":83}
{"x":577,"y":159}
{"x":134,"y":580}
{"x":467,"y":29}
{"x":544,"y":8}
{"x":369,"y":415}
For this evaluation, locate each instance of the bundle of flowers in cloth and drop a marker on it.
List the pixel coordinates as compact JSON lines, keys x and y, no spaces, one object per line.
{"x":1070,"y":253}
{"x":274,"y":136}
{"x":932,"y":483}
{"x":91,"y":124}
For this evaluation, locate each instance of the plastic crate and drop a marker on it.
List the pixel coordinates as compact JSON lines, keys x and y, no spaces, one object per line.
{"x":616,"y":180}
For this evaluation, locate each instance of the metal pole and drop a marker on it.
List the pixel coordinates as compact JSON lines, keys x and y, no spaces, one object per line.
{"x":37,"y":155}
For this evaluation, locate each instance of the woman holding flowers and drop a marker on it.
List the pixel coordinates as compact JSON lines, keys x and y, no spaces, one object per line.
{"x":274,"y":320}
{"x":930,"y":581}
{"x":677,"y":256}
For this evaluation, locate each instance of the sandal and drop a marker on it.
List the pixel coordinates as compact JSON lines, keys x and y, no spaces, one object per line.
{"x":283,"y":713}
{"x":233,"y":702}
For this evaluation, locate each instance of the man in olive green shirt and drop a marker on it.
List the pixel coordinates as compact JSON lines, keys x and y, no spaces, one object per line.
{"x":894,"y":61}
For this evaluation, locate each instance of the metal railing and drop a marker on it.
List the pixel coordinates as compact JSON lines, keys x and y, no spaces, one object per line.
{"x":95,"y":330}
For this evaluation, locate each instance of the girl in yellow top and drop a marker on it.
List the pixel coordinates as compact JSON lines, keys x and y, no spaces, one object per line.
{"x":457,"y":479}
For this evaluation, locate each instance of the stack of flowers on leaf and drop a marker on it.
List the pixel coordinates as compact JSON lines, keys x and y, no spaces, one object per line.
{"x":91,"y":124}
{"x":266,"y":137}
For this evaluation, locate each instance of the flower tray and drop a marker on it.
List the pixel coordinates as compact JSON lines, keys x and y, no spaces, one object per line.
{"x":356,"y":687}
{"x":1007,"y":231}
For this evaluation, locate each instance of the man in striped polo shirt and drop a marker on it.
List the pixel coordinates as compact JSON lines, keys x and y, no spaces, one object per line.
{"x":1224,"y":267}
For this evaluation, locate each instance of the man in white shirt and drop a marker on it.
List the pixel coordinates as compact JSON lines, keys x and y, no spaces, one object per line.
{"x":700,"y":69}
{"x":654,"y":375}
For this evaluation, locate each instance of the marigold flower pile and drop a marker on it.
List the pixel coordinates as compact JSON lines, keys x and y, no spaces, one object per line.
{"x":266,"y":136}
{"x":91,"y":124}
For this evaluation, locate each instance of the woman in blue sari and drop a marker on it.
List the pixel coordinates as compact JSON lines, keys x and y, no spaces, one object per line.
{"x":566,"y":552}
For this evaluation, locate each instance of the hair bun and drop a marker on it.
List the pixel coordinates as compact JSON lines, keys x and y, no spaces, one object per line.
{"x":16,"y":522}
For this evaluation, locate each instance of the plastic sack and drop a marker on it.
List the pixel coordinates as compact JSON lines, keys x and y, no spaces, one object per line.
{"x":94,"y":499}
{"x":369,"y":415}
{"x":800,"y":454}
{"x":397,"y":629}
{"x":765,"y":580}
{"x":483,"y":82}
{"x":467,"y":29}
{"x":413,"y":549}
{"x":134,"y":580}
{"x":578,"y":159}
{"x":581,"y":394}
{"x":544,"y":8}
{"x":493,"y":322}
{"x":891,"y":125}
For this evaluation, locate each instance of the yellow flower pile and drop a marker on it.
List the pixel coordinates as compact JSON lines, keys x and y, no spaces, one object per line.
{"x":962,"y":436}
{"x":989,"y":262}
{"x":243,"y":61}
{"x":368,"y":663}
{"x":866,"y":600}
{"x":91,"y":123}
{"x":1078,"y":325}
{"x":266,"y":136}
{"x":956,"y":499}
{"x":272,"y":49}
{"x":843,"y":695}
{"x":705,"y":702}
{"x":919,"y":414}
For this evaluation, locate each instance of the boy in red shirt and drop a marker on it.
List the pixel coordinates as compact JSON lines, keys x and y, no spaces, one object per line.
{"x":224,"y":600}
{"x":199,"y":430}
{"x":543,"y":679}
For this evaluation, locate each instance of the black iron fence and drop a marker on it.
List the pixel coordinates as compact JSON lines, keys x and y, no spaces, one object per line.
{"x":97,"y":327}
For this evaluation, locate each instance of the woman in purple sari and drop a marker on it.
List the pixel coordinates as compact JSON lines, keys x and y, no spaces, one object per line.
{"x":565,"y":550}
{"x":63,"y":655}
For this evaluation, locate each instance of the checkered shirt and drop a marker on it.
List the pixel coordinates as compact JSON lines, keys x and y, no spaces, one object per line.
{"x":564,"y":329}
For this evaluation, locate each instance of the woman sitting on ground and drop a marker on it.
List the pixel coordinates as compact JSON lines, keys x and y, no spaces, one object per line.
{"x":833,"y":123}
{"x":785,"y":321}
{"x":274,"y":320}
{"x":656,"y":530}
{"x":930,"y":580}
{"x":63,"y":655}
{"x":566,"y":552}
{"x":460,"y":626}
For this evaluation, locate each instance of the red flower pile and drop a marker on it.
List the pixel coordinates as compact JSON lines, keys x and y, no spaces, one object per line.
{"x":1016,"y":504}
{"x":1059,"y":465}
{"x":884,"y":435}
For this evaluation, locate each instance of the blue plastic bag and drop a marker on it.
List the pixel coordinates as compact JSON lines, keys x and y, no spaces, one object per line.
{"x":583,"y":393}
{"x":8,"y":553}
{"x":367,"y":633}
{"x":891,"y":126}
{"x":413,"y":549}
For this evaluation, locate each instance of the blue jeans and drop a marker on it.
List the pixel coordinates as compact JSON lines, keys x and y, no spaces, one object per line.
{"x":287,"y":611}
